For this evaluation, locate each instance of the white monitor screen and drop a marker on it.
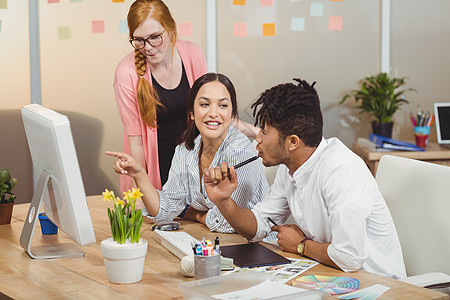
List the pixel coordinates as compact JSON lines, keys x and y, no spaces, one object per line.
{"x":59,"y":185}
{"x":442,"y":115}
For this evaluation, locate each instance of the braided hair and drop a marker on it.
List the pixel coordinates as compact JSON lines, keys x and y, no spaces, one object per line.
{"x":147,"y":97}
{"x":291,"y":109}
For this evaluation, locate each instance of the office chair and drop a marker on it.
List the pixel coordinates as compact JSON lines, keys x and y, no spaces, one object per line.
{"x":418,"y":196}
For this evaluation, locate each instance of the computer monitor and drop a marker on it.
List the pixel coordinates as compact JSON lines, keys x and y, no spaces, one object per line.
{"x":442,"y":115}
{"x":58,"y":184}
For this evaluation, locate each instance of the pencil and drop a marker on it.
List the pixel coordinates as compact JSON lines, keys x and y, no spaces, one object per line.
{"x":272,"y":221}
{"x":244,"y":162}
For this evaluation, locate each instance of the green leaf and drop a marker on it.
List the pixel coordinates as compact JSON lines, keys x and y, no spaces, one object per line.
{"x":379,"y":96}
{"x":125,"y":222}
{"x":13,"y":183}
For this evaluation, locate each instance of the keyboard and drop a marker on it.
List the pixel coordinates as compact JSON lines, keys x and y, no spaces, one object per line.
{"x":180,"y":243}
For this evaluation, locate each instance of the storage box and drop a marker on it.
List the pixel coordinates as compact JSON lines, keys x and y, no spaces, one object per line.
{"x":206,"y":288}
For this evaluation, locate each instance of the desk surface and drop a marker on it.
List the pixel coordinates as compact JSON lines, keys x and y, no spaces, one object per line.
{"x":434,"y":154}
{"x":85,"y":277}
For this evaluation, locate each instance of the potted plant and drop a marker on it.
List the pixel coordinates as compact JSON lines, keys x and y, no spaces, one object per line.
{"x":380,"y":96}
{"x":7,"y":197}
{"x":124,"y":253}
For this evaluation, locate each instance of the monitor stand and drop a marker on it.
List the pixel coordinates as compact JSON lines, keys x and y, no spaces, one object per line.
{"x":45,"y":251}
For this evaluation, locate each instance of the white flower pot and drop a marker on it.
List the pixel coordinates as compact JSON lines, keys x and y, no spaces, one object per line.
{"x":124,"y":262}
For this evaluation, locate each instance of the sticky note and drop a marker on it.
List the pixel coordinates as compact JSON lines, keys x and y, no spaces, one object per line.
{"x":238,"y":2}
{"x":53,"y":1}
{"x":98,"y":26}
{"x":3,"y":4}
{"x":185,"y":29}
{"x":118,"y":1}
{"x":64,"y":33}
{"x":297,"y":24}
{"x":316,"y":9}
{"x":240,"y":29}
{"x":269,"y":29}
{"x":335,"y":23}
{"x":123,"y":26}
{"x":266,"y":2}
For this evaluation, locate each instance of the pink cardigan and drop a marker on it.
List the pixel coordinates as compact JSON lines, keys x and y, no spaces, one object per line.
{"x":125,"y":84}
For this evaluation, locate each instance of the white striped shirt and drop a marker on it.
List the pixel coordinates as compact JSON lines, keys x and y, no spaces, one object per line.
{"x":183,"y":184}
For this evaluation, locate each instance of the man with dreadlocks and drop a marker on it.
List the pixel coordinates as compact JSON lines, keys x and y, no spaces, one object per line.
{"x":341,"y":218}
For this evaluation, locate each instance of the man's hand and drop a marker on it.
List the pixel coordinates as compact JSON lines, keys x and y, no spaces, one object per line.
{"x":219,"y":183}
{"x":289,"y":236}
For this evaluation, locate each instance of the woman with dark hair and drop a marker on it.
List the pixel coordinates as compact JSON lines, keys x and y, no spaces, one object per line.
{"x":209,"y":139}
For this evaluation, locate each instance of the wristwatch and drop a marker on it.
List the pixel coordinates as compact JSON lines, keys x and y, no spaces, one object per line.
{"x":301,"y":246}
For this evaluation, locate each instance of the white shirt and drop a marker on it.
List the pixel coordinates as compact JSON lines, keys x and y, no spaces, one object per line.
{"x":183,"y":185}
{"x":334,"y":198}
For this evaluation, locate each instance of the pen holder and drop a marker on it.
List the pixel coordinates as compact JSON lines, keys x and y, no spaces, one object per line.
{"x":47,"y":226}
{"x":207,"y":266}
{"x":421,"y":133}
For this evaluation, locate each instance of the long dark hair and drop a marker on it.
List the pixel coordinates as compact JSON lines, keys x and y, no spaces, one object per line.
{"x":191,"y":132}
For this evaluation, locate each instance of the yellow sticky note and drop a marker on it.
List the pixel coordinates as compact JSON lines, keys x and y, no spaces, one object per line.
{"x":238,"y":2}
{"x":269,"y":29}
{"x":3,"y":4}
{"x":64,"y":33}
{"x":98,"y":26}
{"x":118,"y":1}
{"x":240,"y":29}
{"x":335,"y":23}
{"x":266,"y":2}
{"x":185,"y":29}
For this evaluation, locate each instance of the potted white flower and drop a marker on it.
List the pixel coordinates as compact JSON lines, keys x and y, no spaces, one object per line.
{"x":124,"y":253}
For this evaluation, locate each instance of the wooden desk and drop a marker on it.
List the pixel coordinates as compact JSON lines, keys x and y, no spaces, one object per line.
{"x":24,"y":278}
{"x":434,"y":154}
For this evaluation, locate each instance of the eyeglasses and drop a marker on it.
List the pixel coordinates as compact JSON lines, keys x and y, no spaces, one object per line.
{"x":153,"y":40}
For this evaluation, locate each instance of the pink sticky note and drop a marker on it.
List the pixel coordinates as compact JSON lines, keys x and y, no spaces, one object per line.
{"x":269,"y":29}
{"x":240,"y":29}
{"x":98,"y":26}
{"x":53,"y":1}
{"x":335,"y":23}
{"x":266,"y":2}
{"x":238,"y":2}
{"x":185,"y":29}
